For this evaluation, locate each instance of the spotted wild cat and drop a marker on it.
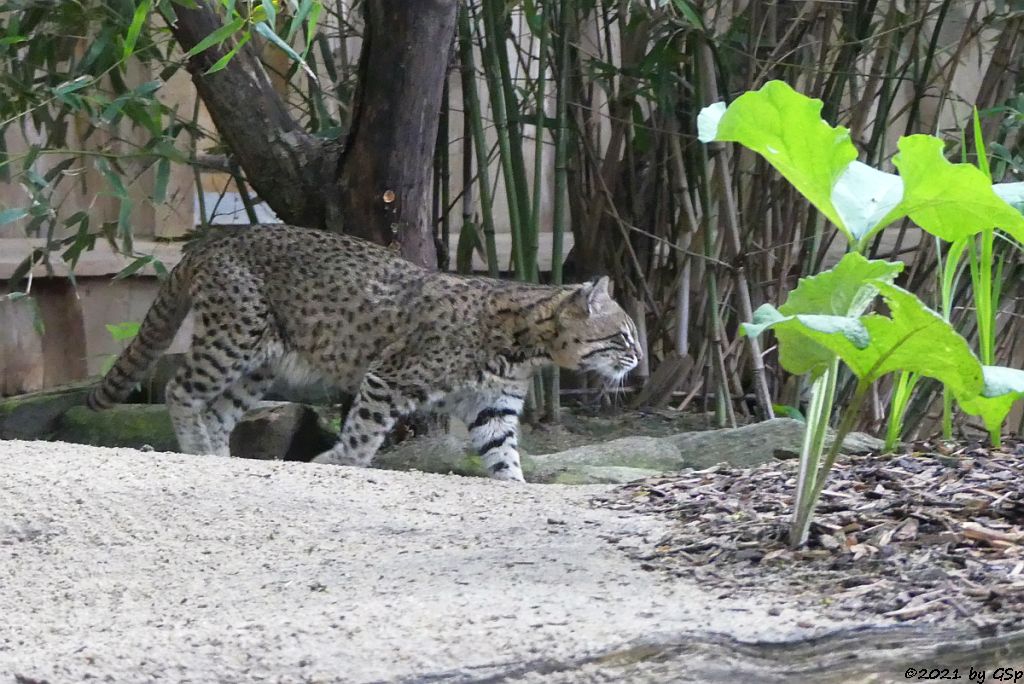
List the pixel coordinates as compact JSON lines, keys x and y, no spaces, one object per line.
{"x":281,"y":300}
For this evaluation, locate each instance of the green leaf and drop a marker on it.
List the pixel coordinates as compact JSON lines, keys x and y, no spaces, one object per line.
{"x":469,"y":241}
{"x":950,"y":201}
{"x":786,"y":128}
{"x":217,"y":37}
{"x":136,"y":265}
{"x":223,"y":61}
{"x":979,"y":147}
{"x":72,"y":85}
{"x":867,"y":200}
{"x":1003,"y":388}
{"x":800,"y":347}
{"x":163,"y":172}
{"x":122,"y":332}
{"x":138,"y":19}
{"x":298,"y":17}
{"x":687,"y":10}
{"x":311,"y":22}
{"x":124,"y":225}
{"x":267,"y":32}
{"x":914,"y":339}
{"x":846,"y":289}
{"x":270,"y":12}
{"x":1011,"y":193}
{"x":786,"y":411}
{"x":115,"y":180}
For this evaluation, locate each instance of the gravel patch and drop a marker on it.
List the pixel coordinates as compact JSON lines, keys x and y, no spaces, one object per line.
{"x":126,"y":566}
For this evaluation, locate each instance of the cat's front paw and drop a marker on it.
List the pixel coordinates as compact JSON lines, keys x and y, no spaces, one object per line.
{"x":338,"y":457}
{"x":504,"y":470}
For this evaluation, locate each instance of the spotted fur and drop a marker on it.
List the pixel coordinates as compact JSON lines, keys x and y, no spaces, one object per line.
{"x":274,"y":300}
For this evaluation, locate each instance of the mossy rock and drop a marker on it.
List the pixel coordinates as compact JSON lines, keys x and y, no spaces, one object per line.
{"x":581,"y":475}
{"x":35,"y":415}
{"x":618,"y":461}
{"x":124,"y":425}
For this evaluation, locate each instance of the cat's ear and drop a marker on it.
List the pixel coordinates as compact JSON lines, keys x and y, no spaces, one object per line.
{"x":595,"y":295}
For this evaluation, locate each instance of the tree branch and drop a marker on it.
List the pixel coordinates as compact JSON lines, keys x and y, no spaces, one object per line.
{"x":288,"y":167}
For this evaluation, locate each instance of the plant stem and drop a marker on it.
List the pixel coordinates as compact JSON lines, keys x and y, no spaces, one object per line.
{"x":850,"y":415}
{"x":818,"y":412}
{"x":479,"y":142}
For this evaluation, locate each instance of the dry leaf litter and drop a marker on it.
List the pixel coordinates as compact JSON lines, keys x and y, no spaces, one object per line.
{"x":935,"y":535}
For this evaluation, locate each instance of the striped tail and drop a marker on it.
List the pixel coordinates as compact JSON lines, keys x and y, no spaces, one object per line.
{"x":155,"y":335}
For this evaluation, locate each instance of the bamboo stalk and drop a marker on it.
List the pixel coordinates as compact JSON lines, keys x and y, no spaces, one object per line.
{"x":474,"y":118}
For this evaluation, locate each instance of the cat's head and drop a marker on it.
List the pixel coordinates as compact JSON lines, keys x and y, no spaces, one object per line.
{"x":592,"y":332}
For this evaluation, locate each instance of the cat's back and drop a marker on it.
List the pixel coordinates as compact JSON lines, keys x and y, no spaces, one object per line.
{"x":296,"y":253}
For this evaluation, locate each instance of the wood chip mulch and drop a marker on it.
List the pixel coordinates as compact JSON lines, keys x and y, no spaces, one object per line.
{"x":934,"y":535}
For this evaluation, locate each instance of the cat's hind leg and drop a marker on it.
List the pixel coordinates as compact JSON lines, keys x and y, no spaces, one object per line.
{"x":224,"y":350}
{"x":368,"y":422}
{"x":224,"y":412}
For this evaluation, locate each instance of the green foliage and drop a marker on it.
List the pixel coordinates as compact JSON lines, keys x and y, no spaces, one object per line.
{"x":122,"y":332}
{"x":1003,"y":388}
{"x":950,"y":201}
{"x":824,"y":318}
{"x":65,"y":76}
{"x":914,"y":338}
{"x":786,"y":128}
{"x":844,"y":291}
{"x":119,"y":332}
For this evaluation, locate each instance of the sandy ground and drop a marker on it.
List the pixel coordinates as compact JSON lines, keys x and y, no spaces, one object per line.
{"x":125,"y":566}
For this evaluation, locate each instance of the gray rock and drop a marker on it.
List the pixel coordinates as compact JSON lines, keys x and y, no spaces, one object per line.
{"x":35,"y":415}
{"x":617,"y":461}
{"x":860,"y":443}
{"x":583,"y":474}
{"x":752,"y":445}
{"x":281,"y":431}
{"x":647,"y":454}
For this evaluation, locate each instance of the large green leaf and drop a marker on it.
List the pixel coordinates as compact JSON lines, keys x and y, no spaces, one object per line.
{"x":867,"y":200}
{"x":1003,"y":388}
{"x":787,"y":129}
{"x":914,"y":339}
{"x":845,"y":290}
{"x":800,"y":347}
{"x":918,"y":340}
{"x":950,"y":201}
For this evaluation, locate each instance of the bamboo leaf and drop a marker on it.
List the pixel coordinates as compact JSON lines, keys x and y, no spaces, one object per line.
{"x":163,"y":172}
{"x":134,"y":267}
{"x":217,"y":37}
{"x":687,"y":10}
{"x":223,"y":61}
{"x":72,"y":85}
{"x":270,"y":12}
{"x":122,"y":332}
{"x":267,"y":32}
{"x":132,"y":36}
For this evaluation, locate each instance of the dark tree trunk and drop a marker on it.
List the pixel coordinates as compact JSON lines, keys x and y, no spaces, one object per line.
{"x":378,"y":187}
{"x":386,"y":168}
